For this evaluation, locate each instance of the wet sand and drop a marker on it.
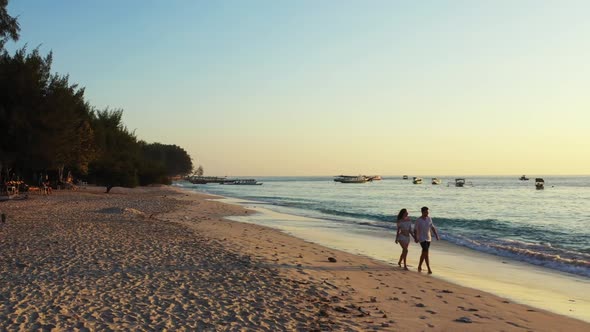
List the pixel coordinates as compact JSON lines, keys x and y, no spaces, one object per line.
{"x":158,"y":258}
{"x":547,"y":289}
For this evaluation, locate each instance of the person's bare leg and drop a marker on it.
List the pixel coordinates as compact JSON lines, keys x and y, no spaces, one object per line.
{"x":401,"y":256}
{"x":405,"y":253}
{"x":421,"y":261}
{"x":427,"y":260}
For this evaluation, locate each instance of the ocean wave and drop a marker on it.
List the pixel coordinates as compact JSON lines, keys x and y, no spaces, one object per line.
{"x":537,"y":244}
{"x":534,"y":253}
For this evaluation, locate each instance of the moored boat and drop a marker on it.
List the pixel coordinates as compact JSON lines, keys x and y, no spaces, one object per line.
{"x":460,"y":182}
{"x":405,"y":177}
{"x":205,"y":179}
{"x":243,"y":182}
{"x":417,"y":180}
{"x":352,"y":179}
{"x":523,"y":178}
{"x":436,"y":181}
{"x":539,"y":183}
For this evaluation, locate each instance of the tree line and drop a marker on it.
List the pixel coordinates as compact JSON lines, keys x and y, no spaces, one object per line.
{"x":49,"y":130}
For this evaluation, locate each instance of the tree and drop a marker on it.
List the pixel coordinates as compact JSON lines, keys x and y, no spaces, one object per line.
{"x":173,"y":158}
{"x":44,"y":120}
{"x":200,"y":171}
{"x":9,"y":27}
{"x":118,"y":152}
{"x":46,"y":125}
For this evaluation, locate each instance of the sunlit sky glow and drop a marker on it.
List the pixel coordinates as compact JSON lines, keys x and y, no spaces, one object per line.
{"x":331,"y":87}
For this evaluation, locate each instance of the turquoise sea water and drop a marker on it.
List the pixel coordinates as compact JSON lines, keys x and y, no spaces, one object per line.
{"x":498,"y":215}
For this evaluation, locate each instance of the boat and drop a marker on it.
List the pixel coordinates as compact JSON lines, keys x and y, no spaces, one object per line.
{"x":417,"y":180}
{"x":205,"y":179}
{"x":436,"y":181}
{"x":375,"y":177}
{"x":523,"y":178}
{"x":539,"y":183}
{"x":352,"y":178}
{"x":242,"y":182}
{"x":460,"y":183}
{"x":405,"y":177}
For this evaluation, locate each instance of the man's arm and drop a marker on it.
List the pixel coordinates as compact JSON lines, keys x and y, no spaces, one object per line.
{"x":435,"y":232}
{"x":416,"y":231}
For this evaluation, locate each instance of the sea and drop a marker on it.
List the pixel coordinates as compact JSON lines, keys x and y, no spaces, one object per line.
{"x":503,"y":216}
{"x":498,"y":234}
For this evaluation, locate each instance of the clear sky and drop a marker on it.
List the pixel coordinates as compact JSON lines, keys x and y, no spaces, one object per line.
{"x":332,"y":87}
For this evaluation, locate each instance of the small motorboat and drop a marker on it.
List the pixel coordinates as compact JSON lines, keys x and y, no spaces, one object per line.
{"x":417,"y":180}
{"x":436,"y":181}
{"x":523,"y":178}
{"x":405,"y":177}
{"x":539,"y":183}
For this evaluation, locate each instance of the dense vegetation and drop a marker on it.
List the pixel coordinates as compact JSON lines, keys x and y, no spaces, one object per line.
{"x":48,"y":129}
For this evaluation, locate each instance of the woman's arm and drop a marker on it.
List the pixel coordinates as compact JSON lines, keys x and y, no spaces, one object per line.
{"x":413,"y":232}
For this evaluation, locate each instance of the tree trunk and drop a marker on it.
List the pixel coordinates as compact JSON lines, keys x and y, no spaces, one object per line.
{"x":109,"y":187}
{"x":60,"y":171}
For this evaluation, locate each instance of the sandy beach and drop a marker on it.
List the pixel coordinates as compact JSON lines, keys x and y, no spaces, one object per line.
{"x":162,"y":259}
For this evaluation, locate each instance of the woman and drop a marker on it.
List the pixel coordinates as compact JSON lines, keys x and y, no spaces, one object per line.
{"x":404,"y":231}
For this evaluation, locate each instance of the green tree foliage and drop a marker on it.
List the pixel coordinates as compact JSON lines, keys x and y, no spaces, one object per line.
{"x":9,"y":27}
{"x":46,"y":126}
{"x":44,"y":120}
{"x":175,"y":160}
{"x":118,"y":152}
{"x":200,"y":171}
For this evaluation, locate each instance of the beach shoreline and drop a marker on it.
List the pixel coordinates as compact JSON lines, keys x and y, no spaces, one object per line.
{"x":159,"y":258}
{"x":380,"y":282}
{"x":517,"y":281}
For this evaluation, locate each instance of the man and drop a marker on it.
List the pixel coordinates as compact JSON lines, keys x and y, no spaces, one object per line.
{"x":423,"y":227}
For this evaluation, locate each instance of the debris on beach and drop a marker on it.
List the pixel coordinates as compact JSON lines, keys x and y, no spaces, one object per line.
{"x":464,"y":320}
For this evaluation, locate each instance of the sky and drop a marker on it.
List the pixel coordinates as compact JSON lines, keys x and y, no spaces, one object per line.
{"x":335,"y":87}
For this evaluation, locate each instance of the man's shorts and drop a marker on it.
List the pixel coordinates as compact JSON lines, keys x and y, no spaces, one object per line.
{"x":425,"y":245}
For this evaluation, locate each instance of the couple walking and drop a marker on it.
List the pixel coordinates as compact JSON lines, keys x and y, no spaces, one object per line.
{"x":421,"y":232}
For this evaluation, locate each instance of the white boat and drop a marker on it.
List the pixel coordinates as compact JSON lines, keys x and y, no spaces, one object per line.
{"x":539,"y":183}
{"x":405,"y":177}
{"x":436,"y":181}
{"x":417,"y":180}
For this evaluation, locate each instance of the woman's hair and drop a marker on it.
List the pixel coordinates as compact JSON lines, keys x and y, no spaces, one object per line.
{"x":401,"y":213}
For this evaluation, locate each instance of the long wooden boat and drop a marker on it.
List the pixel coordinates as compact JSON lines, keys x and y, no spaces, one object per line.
{"x":205,"y":179}
{"x":242,"y":182}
